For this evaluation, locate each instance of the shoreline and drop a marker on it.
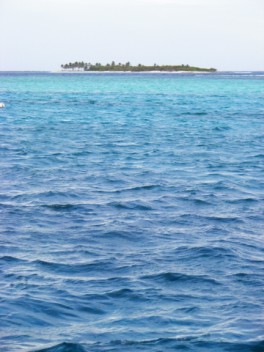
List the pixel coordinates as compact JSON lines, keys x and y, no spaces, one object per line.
{"x":133,"y":72}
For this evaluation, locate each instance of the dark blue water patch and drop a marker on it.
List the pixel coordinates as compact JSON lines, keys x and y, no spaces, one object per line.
{"x":160,"y":345}
{"x":65,"y":347}
{"x":130,"y":206}
{"x":60,"y":207}
{"x":169,"y":277}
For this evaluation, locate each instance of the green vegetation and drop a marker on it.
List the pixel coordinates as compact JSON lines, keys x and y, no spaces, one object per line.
{"x":115,"y":67}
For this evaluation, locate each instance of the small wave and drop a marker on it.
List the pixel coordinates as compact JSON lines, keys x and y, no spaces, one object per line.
{"x":202,"y":113}
{"x":185,"y":343}
{"x":146,"y":187}
{"x":59,"y":207}
{"x":191,"y":343}
{"x":179,"y":278}
{"x":53,"y":194}
{"x":120,"y":293}
{"x":225,"y":219}
{"x":69,"y":269}
{"x":127,"y":294}
{"x":130,"y":206}
{"x":64,"y":347}
{"x":221,"y":128}
{"x":242,"y":201}
{"x":90,"y":310}
{"x":214,"y":219}
{"x":205,"y":252}
{"x":68,"y":207}
{"x":259,"y":156}
{"x":125,"y":235}
{"x":249,"y":279}
{"x":200,"y":201}
{"x":131,"y":189}
{"x":10,"y":259}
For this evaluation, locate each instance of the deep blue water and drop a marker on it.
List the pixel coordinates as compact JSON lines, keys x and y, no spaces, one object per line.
{"x":131,"y":212}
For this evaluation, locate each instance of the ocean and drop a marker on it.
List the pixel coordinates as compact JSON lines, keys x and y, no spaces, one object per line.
{"x":131,"y":212}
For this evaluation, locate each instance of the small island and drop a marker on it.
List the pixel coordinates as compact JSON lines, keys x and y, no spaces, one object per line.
{"x":127,"y":67}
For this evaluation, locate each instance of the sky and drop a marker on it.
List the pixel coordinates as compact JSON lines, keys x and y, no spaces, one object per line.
{"x":43,"y":34}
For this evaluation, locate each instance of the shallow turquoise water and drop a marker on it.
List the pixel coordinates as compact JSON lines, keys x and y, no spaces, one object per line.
{"x":131,"y":212}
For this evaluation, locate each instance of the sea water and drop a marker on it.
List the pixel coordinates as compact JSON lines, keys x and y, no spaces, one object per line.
{"x":131,"y":212}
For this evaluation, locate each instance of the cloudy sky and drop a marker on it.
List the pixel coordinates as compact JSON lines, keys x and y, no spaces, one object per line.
{"x":42,"y":34}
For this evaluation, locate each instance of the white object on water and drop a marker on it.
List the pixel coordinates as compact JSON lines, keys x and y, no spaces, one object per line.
{"x":2,"y":105}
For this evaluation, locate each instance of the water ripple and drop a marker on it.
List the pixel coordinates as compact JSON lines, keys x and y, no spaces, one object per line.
{"x":131,"y":212}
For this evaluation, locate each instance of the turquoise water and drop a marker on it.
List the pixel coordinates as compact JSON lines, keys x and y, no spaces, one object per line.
{"x":131,"y":212}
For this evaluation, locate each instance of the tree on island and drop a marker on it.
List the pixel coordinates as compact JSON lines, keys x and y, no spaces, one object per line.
{"x":82,"y":66}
